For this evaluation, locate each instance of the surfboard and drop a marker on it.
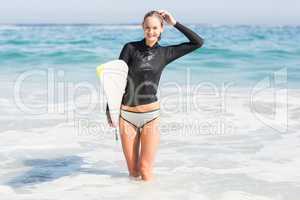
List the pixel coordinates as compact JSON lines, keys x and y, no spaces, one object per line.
{"x":113,"y":78}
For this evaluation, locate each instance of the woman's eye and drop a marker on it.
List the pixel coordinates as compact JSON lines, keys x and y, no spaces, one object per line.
{"x":148,"y":29}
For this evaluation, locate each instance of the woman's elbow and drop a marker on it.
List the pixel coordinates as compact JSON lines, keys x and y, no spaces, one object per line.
{"x":199,"y":42}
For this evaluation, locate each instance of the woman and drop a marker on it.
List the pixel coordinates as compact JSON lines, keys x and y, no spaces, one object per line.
{"x":139,"y":115}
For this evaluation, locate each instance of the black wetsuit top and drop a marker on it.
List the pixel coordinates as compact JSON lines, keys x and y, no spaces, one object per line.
{"x":147,"y":63}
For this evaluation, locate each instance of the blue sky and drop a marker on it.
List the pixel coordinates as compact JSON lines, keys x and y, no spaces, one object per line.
{"x":274,"y":12}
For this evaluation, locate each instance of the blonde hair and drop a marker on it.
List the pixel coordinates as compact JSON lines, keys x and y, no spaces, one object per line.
{"x":155,"y":14}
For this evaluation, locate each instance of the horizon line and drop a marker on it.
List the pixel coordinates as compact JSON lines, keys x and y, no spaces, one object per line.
{"x":135,"y":23}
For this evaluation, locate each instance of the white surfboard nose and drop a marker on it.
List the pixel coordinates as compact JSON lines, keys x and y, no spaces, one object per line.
{"x":113,"y":78}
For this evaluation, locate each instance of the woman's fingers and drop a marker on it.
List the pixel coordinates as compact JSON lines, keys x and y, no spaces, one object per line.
{"x":167,"y":17}
{"x":164,"y":15}
{"x":162,"y":12}
{"x":111,"y":124}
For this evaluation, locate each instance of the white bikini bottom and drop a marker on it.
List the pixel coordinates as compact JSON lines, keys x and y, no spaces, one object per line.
{"x":139,"y":119}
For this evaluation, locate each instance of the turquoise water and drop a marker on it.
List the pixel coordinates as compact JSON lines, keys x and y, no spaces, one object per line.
{"x":239,"y":54}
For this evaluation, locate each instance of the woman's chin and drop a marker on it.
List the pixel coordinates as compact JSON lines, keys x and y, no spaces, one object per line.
{"x":152,"y":39}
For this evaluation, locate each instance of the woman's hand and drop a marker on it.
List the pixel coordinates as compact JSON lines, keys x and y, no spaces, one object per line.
{"x":109,"y":120}
{"x":110,"y":123}
{"x":167,"y":17}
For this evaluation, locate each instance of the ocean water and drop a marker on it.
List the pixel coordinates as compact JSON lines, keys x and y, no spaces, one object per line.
{"x":243,"y":54}
{"x":230,"y":115}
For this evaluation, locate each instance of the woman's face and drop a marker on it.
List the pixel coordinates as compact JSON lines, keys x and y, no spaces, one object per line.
{"x":152,"y":28}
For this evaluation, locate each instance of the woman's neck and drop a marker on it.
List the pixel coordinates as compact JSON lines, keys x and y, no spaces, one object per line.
{"x":150,"y":43}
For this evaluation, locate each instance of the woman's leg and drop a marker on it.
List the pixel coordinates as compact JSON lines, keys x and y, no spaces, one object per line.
{"x":149,"y":143}
{"x":130,"y":143}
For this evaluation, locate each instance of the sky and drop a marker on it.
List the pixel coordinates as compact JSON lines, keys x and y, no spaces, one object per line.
{"x":273,"y":12}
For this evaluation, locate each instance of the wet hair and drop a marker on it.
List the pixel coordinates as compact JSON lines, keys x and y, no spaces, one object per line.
{"x":155,"y":14}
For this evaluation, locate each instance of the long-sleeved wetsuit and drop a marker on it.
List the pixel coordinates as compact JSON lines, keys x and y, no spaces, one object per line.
{"x":147,"y":63}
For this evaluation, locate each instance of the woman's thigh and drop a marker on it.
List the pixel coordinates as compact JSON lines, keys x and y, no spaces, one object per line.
{"x":150,"y":137}
{"x":130,"y":141}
